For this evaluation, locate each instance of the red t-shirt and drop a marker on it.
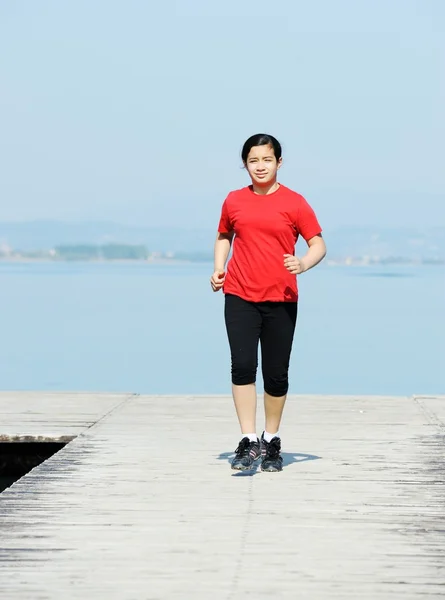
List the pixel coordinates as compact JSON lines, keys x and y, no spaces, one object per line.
{"x":266,"y":227}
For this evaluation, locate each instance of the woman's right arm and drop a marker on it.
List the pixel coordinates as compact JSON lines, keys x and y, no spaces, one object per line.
{"x":223,"y":244}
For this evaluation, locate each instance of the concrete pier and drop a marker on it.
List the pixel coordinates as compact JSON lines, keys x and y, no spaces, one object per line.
{"x":141,"y":503}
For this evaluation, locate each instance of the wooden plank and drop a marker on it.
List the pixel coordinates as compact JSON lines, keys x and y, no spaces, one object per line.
{"x":143,"y":504}
{"x":56,"y":417}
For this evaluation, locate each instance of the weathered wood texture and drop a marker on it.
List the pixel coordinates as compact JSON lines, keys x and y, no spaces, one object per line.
{"x":143,"y":505}
{"x":40,"y":417}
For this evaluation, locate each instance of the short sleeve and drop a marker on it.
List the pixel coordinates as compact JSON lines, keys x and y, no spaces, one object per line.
{"x":306,"y":221}
{"x":225,"y":225}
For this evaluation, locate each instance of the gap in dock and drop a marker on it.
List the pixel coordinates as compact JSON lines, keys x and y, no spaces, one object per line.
{"x":18,"y":458}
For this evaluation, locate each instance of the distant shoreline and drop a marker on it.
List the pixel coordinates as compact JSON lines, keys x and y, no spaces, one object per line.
{"x":178,"y":262}
{"x":155,"y":261}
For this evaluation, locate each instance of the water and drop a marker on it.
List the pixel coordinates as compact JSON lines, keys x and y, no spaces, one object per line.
{"x":158,"y":329}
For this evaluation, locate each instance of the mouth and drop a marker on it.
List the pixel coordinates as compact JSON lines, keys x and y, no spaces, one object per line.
{"x":261,"y":175}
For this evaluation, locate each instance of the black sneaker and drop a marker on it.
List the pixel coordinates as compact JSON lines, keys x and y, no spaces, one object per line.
{"x":272,"y":460}
{"x":246,"y":454}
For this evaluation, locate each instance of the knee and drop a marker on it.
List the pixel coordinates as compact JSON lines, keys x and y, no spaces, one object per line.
{"x":276,"y":385}
{"x":243,"y":372}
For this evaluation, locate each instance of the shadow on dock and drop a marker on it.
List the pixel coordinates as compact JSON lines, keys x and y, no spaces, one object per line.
{"x":289,"y":458}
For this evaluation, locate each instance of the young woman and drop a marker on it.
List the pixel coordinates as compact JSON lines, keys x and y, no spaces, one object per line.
{"x":264,"y":221}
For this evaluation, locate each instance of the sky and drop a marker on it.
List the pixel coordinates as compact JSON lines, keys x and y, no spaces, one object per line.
{"x":136,"y":111}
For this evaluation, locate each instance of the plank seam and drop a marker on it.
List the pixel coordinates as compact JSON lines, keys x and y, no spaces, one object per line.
{"x":431,"y":416}
{"x":107,"y":414}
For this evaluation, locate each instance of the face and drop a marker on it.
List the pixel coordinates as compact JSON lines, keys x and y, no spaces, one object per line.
{"x":262,"y":165}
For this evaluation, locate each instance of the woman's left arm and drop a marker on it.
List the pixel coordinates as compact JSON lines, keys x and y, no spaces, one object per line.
{"x":315,"y":254}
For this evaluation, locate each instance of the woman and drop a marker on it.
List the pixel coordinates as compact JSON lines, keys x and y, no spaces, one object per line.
{"x":264,"y":221}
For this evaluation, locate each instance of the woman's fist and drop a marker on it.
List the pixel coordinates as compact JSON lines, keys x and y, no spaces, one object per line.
{"x":217,"y":280}
{"x":294,"y":264}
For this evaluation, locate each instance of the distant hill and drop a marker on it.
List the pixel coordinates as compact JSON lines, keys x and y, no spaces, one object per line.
{"x":38,"y":235}
{"x":364,"y":241}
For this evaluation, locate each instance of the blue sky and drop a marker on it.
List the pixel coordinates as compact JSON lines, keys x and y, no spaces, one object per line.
{"x":136,"y":111}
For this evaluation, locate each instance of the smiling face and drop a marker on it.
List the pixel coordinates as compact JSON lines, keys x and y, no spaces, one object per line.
{"x":262,"y":165}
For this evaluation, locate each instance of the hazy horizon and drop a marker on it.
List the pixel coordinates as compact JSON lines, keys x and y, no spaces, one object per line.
{"x":44,"y":235}
{"x":136,"y":112}
{"x":115,"y":222}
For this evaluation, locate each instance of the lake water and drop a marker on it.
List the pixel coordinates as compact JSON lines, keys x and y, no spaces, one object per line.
{"x":158,"y":329}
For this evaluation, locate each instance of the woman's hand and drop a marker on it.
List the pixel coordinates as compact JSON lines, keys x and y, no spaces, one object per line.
{"x":217,"y":280}
{"x":315,"y":254}
{"x":294,"y":264}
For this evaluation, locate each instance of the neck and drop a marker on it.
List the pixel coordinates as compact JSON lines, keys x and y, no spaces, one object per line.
{"x":266,"y":189}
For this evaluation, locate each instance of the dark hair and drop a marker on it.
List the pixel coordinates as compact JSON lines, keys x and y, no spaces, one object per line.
{"x":261,"y":139}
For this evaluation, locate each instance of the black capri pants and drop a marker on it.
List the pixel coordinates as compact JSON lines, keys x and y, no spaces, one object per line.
{"x":270,"y":323}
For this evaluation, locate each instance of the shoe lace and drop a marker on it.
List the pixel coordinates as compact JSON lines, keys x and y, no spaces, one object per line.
{"x":273,"y":448}
{"x":243,"y":447}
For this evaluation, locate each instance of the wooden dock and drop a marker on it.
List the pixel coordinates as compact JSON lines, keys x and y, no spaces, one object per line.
{"x":141,"y":504}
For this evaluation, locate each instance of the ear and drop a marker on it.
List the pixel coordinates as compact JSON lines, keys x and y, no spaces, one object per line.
{"x":279,"y":163}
